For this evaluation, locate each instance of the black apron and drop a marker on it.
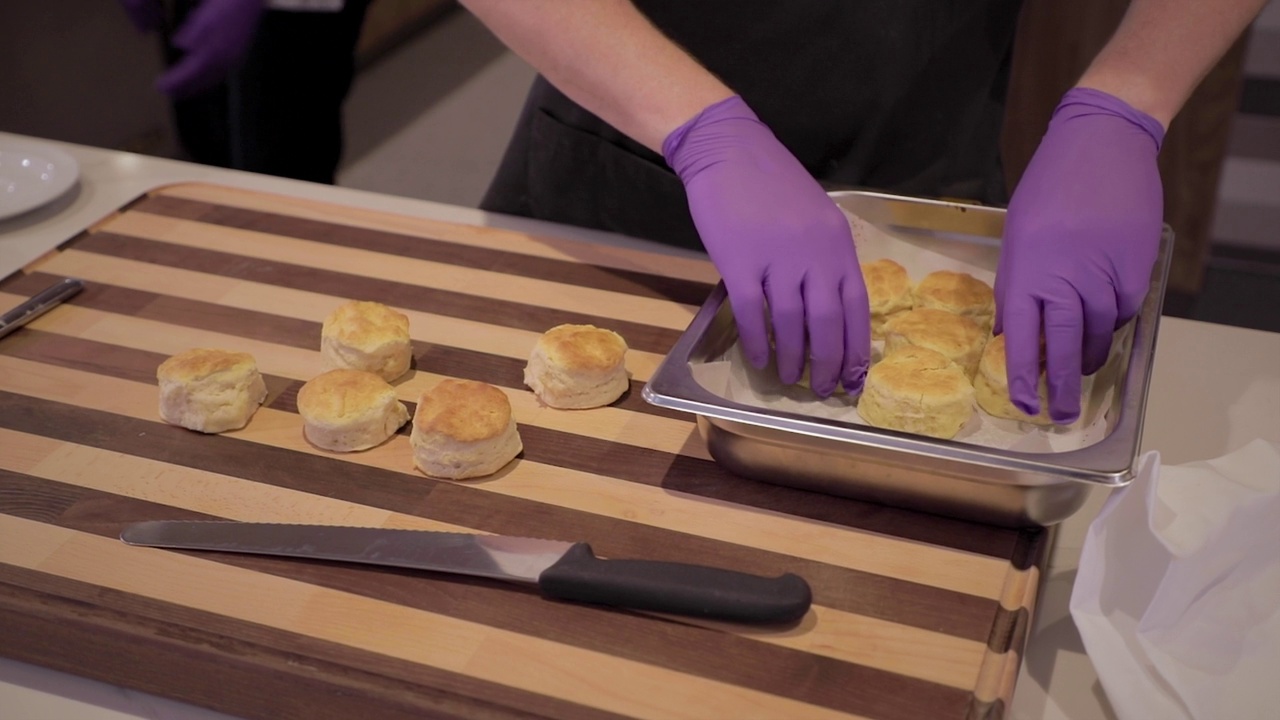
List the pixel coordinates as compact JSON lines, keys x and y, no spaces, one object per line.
{"x":904,"y":96}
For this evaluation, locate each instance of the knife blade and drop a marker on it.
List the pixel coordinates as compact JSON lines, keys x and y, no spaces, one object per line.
{"x":39,"y":304}
{"x":560,"y":570}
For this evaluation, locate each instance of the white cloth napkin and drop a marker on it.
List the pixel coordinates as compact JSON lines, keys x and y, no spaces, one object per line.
{"x":1177,"y":597}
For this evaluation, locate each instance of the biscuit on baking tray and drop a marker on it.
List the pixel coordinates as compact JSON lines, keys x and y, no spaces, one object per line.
{"x":210,"y":390}
{"x":578,"y":366}
{"x":364,"y":335}
{"x":917,"y":390}
{"x":959,"y":293}
{"x":991,"y":387}
{"x":463,"y":429}
{"x":888,"y":292}
{"x":956,"y":337}
{"x":348,"y":410}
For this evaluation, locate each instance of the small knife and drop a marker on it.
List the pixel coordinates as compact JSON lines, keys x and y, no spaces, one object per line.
{"x":39,"y":304}
{"x":561,"y":570}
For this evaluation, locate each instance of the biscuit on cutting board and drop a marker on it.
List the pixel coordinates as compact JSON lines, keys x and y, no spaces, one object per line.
{"x":578,"y":366}
{"x":463,"y":429}
{"x":210,"y":390}
{"x":369,"y":336}
{"x":348,"y":410}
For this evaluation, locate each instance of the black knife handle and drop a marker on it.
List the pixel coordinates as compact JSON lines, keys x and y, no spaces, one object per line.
{"x":678,"y":588}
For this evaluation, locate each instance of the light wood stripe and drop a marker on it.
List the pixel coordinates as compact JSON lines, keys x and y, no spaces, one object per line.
{"x":612,"y":424}
{"x":698,"y":476}
{"x":631,"y":282}
{"x":505,"y":240}
{"x":944,"y":568}
{"x":476,"y":650}
{"x":955,"y":614}
{"x":304,"y":305}
{"x":423,"y":273}
{"x":844,"y":636}
{"x":999,"y":670}
{"x":960,"y":615}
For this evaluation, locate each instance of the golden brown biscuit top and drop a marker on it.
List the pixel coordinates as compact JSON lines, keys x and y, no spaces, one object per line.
{"x":465,"y":410}
{"x":919,"y":371}
{"x":336,"y":393}
{"x":583,"y":347}
{"x":994,"y":364}
{"x":363,"y":323}
{"x":993,"y":360}
{"x":885,"y":281}
{"x":955,"y":291}
{"x":200,"y":363}
{"x":936,"y":328}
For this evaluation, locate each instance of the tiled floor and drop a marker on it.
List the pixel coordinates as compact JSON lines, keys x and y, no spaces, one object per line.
{"x":430,"y":120}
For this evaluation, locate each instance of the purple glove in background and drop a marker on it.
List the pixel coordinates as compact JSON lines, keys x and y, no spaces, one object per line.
{"x":213,"y":39}
{"x":776,"y":237}
{"x":1081,"y":237}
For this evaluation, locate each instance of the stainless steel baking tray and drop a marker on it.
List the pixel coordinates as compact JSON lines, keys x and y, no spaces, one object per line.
{"x":948,"y":477}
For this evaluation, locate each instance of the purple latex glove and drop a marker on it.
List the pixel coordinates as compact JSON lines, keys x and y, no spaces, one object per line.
{"x":775,"y":236}
{"x":1081,"y":237}
{"x":146,"y":15}
{"x":213,"y":38}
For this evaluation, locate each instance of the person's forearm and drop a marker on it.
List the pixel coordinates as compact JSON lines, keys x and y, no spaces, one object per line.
{"x":1164,"y":48}
{"x":607,"y":57}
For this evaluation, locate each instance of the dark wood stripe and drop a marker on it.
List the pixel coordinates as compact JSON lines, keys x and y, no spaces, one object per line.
{"x":689,"y":649}
{"x":632,"y":282}
{"x":236,"y":667}
{"x":1009,"y":630}
{"x":696,"y":477}
{"x":303,"y":334}
{"x":900,"y":601}
{"x":503,"y":313}
{"x":1031,"y":548}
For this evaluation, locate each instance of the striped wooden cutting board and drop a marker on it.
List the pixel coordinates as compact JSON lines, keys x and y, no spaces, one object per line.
{"x":915,"y":616}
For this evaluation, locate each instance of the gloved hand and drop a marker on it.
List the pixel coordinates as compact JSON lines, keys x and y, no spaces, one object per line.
{"x":1081,"y":236}
{"x":775,"y":236}
{"x":213,"y":38}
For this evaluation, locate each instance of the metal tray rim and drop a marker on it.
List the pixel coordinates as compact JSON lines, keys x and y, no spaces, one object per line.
{"x":1110,"y":461}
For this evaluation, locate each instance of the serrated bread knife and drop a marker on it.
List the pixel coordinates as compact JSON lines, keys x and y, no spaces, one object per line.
{"x":561,"y":570}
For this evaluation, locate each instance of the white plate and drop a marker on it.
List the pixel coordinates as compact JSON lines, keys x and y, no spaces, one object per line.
{"x":33,"y":174}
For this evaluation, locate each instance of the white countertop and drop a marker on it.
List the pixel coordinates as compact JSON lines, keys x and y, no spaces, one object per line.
{"x":1188,"y":418}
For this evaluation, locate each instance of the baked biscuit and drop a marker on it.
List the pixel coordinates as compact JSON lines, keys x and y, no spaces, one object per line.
{"x":991,"y":387}
{"x":578,"y":366}
{"x":348,"y":410}
{"x":956,"y":337}
{"x":208,"y":390}
{"x":888,"y":292}
{"x":959,"y":293}
{"x":917,"y":390}
{"x":463,"y":429}
{"x":363,"y":335}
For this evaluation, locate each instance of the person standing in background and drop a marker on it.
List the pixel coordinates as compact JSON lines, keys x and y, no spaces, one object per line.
{"x":257,"y":85}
